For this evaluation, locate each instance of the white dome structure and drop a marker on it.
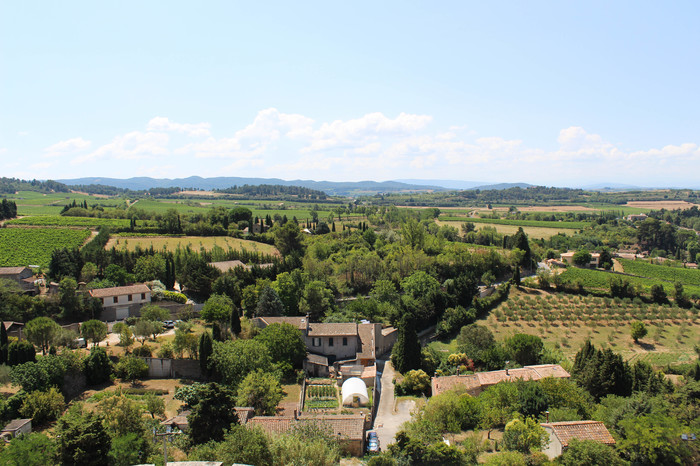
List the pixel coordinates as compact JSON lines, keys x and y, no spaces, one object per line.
{"x":354,"y":388}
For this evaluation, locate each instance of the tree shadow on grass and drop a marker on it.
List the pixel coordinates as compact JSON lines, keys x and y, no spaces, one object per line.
{"x":646,"y":346}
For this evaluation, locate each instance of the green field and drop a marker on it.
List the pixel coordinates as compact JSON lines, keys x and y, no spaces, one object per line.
{"x":522,"y":223}
{"x":33,"y":246}
{"x":171,"y":243}
{"x":663,"y":272}
{"x":590,"y":278}
{"x":57,"y":220}
{"x":34,"y":203}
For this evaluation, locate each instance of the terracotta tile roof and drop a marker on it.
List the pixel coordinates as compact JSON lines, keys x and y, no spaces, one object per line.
{"x":317,"y":359}
{"x":225,"y":266}
{"x":482,"y":380}
{"x":322,"y":330}
{"x":348,"y":426}
{"x":580,"y":430}
{"x":9,"y":324}
{"x":389,"y":330}
{"x":366,"y":334}
{"x":119,"y":291}
{"x":244,"y":414}
{"x":299,"y":322}
{"x":15,"y":424}
{"x":11,"y":270}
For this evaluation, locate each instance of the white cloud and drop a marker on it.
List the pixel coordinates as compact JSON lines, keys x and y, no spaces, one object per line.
{"x":133,"y":145}
{"x":164,"y":124}
{"x":40,"y":165}
{"x":66,"y":147}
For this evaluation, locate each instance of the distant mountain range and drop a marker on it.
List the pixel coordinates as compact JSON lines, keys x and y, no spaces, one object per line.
{"x":339,"y":188}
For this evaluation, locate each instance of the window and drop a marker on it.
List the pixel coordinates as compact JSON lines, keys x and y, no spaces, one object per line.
{"x":315,"y":342}
{"x":330,"y":342}
{"x":345,"y":341}
{"x":115,"y":299}
{"x":131,"y":297}
{"x":143,"y":295}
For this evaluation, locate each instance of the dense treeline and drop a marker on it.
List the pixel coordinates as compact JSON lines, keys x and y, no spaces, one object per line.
{"x":12,"y":185}
{"x":8,"y":209}
{"x":275,"y":191}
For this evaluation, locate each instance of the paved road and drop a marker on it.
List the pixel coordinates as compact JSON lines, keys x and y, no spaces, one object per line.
{"x":388,"y":421}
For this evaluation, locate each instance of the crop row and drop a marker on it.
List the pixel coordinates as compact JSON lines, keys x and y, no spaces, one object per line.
{"x":589,"y":278}
{"x":663,"y":272}
{"x":57,"y":220}
{"x":29,"y":246}
{"x":521,"y":223}
{"x":321,"y":391}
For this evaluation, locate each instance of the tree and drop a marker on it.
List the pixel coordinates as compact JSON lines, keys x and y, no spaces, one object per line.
{"x":212,"y":414}
{"x":316,"y":300}
{"x":154,"y":404}
{"x":406,"y":354}
{"x":41,"y":332}
{"x":658,"y":294}
{"x":582,"y":258}
{"x":589,"y":452}
{"x":285,"y":344}
{"x":43,"y":407}
{"x":241,"y":445}
{"x":121,"y":414}
{"x":235,"y":321}
{"x":217,"y":309}
{"x":525,"y":349}
{"x":144,"y":329}
{"x":129,"y":449}
{"x":154,"y":313}
{"x":20,"y":352}
{"x":269,"y":303}
{"x":231,"y":361}
{"x":521,"y":242}
{"x":32,"y":449}
{"x":288,"y":238}
{"x":88,"y":272}
{"x":98,"y":367}
{"x":653,"y":439}
{"x":81,"y":437}
{"x":94,"y":331}
{"x":601,"y":372}
{"x":47,"y":372}
{"x":524,"y":437}
{"x":131,"y":368}
{"x":415,"y":382}
{"x":205,"y":349}
{"x":638,"y":330}
{"x":4,"y":346}
{"x":260,"y":390}
{"x":149,"y":268}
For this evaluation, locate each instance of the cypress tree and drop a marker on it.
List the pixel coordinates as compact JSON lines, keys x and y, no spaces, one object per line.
{"x":406,"y":354}
{"x":216,"y":332}
{"x":3,"y":343}
{"x":206,"y":347}
{"x":235,"y":321}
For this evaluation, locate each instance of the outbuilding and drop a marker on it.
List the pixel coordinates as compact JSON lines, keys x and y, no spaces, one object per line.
{"x":354,"y":392}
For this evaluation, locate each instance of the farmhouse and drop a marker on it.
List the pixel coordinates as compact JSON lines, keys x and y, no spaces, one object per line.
{"x":121,"y":302}
{"x":561,"y":433}
{"x":478,"y":382}
{"x":636,"y":217}
{"x":334,"y":346}
{"x":23,"y":276}
{"x":568,"y":257}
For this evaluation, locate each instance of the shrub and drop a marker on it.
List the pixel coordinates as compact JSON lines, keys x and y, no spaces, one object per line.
{"x":131,"y":368}
{"x":98,"y":367}
{"x":143,"y":351}
{"x":43,"y":407}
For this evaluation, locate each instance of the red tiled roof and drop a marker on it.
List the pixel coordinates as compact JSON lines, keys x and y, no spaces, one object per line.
{"x":580,"y":430}
{"x":322,"y":330}
{"x":11,"y":270}
{"x":366,"y":334}
{"x":486,"y":379}
{"x":119,"y":291}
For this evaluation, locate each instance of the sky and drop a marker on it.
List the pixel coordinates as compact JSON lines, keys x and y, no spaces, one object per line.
{"x":557,"y":93}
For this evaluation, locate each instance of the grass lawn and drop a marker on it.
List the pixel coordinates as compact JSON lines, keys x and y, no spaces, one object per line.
{"x":171,"y":243}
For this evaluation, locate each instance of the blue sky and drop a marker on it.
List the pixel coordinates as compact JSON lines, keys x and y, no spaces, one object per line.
{"x":554,"y":93}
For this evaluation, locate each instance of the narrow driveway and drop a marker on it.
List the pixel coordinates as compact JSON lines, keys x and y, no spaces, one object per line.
{"x":387,"y":422}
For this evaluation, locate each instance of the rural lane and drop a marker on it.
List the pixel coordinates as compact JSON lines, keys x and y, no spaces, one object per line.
{"x":387,"y":422}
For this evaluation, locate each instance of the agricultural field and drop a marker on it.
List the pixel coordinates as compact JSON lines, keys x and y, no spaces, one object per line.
{"x":519,"y":223}
{"x":33,"y":246}
{"x":662,"y":272}
{"x":35,"y":203}
{"x":171,"y":243}
{"x":592,"y":279}
{"x":565,"y":322}
{"x":57,"y":220}
{"x":532,"y":232}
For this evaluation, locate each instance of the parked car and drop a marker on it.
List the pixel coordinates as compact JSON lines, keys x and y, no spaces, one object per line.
{"x":169,"y":324}
{"x":373,"y":443}
{"x":80,"y":343}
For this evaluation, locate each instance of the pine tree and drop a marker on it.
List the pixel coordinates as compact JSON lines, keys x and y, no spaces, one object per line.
{"x":406,"y":354}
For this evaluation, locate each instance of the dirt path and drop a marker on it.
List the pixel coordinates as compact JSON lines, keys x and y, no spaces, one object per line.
{"x":617,"y":266}
{"x":388,"y":421}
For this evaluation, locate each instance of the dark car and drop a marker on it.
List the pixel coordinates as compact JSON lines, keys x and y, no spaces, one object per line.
{"x":373,"y":443}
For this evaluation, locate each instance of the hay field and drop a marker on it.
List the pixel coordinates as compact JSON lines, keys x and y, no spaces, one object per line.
{"x":532,"y":232}
{"x":171,"y":243}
